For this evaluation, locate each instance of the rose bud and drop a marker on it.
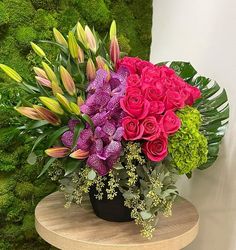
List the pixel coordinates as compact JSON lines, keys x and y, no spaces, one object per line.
{"x":156,"y":150}
{"x":91,"y":39}
{"x":52,"y":104}
{"x":170,"y":122}
{"x":132,"y":129}
{"x":68,"y":81}
{"x":114,"y":50}
{"x":43,"y":81}
{"x":60,"y":38}
{"x":29,"y":112}
{"x":40,"y":72}
{"x":79,"y":154}
{"x":37,"y":50}
{"x":90,"y":70}
{"x":58,"y":152}
{"x":11,"y":73}
{"x":47,"y":115}
{"x":73,"y":45}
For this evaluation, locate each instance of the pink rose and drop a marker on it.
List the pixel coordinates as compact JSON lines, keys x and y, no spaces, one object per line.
{"x":149,"y":76}
{"x":129,"y":63}
{"x":190,"y":94}
{"x":141,"y":65}
{"x":165,"y":72}
{"x":135,"y":105}
{"x":170,"y":122}
{"x":133,"y":80}
{"x":173,"y":100}
{"x":152,"y":128}
{"x":156,"y":150}
{"x":132,"y":129}
{"x":153,"y":93}
{"x":156,"y":107}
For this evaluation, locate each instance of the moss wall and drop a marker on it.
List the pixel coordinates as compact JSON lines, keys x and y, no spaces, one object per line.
{"x":22,"y":21}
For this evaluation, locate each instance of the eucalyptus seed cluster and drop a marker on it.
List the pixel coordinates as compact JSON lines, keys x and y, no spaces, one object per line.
{"x":113,"y":185}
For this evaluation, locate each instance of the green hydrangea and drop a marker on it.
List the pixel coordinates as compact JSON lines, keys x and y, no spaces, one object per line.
{"x":188,"y":147}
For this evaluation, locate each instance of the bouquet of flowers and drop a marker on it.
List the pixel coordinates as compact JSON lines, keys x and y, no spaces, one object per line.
{"x":116,"y":127}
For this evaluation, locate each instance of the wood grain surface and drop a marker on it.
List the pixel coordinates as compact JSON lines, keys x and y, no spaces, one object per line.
{"x":78,"y":228}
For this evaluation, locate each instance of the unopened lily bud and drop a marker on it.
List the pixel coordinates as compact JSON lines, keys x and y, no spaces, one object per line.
{"x":52,"y":104}
{"x":29,"y":112}
{"x":56,"y":88}
{"x":90,"y":70}
{"x":47,"y":115}
{"x":64,"y":102}
{"x":75,"y":108}
{"x":108,"y":72}
{"x":113,"y":30}
{"x":43,"y":81}
{"x":38,"y":50}
{"x":68,"y":81}
{"x":11,"y":73}
{"x":91,"y":39}
{"x":80,"y":101}
{"x":100,"y":62}
{"x":73,"y":45}
{"x":60,"y":38}
{"x":114,"y":50}
{"x":40,"y":72}
{"x":81,"y":56}
{"x":79,"y":154}
{"x":58,"y":152}
{"x":50,"y":73}
{"x":81,"y":35}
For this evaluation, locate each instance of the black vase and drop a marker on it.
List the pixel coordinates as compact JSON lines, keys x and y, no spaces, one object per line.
{"x":110,"y":210}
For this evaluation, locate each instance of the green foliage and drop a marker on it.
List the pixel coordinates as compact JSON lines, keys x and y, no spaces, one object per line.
{"x":4,"y":17}
{"x":24,"y":35}
{"x":188,"y":147}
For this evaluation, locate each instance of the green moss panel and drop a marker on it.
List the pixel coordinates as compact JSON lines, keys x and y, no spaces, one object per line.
{"x":22,"y":21}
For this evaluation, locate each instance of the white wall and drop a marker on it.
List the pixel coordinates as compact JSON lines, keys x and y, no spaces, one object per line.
{"x":204,"y":32}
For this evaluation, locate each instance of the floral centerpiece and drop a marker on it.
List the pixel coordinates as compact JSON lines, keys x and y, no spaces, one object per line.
{"x":119,"y":128}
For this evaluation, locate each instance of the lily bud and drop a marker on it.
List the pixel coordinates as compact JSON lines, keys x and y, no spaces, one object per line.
{"x":75,"y":108}
{"x":114,"y":50}
{"x":108,"y":73}
{"x":73,"y":45}
{"x":40,"y":72}
{"x":29,"y":112}
{"x":91,"y":39}
{"x":81,"y":35}
{"x":58,"y":152}
{"x":56,"y":88}
{"x":90,"y":70}
{"x":68,"y":81}
{"x":47,"y":115}
{"x":38,"y":50}
{"x":50,"y":73}
{"x":11,"y":73}
{"x":52,"y":104}
{"x":43,"y":81}
{"x":100,"y":62}
{"x":64,"y":102}
{"x":113,"y":30}
{"x":79,"y":154}
{"x":80,"y":101}
{"x":81,"y":56}
{"x":60,"y":38}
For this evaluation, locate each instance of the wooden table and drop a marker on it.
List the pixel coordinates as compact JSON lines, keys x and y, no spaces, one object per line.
{"x":78,"y":228}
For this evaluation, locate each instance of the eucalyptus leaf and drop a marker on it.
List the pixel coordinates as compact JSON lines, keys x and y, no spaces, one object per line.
{"x":92,"y":175}
{"x":46,"y":166}
{"x":32,"y":158}
{"x":145,"y":215}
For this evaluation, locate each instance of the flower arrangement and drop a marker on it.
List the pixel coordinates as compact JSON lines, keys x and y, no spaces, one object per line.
{"x":117,"y":124}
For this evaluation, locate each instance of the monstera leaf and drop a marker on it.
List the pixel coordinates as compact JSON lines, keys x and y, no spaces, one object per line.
{"x":213,"y":106}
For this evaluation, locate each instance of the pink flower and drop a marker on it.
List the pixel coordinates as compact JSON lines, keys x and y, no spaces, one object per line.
{"x":170,"y":122}
{"x":132,"y":129}
{"x":153,"y":93}
{"x":135,"y":105}
{"x":156,"y":108}
{"x":156,"y":150}
{"x":173,"y":100}
{"x":133,"y":80}
{"x":141,"y":65}
{"x":152,"y":128}
{"x":129,"y":63}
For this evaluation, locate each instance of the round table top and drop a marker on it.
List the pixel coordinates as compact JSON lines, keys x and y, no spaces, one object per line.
{"x":78,"y":228}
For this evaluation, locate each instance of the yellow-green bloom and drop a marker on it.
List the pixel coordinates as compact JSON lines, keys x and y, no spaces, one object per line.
{"x":52,"y":104}
{"x":113,"y":30}
{"x":38,"y":50}
{"x":56,"y":88}
{"x":75,"y":108}
{"x":73,"y":45}
{"x":60,"y":38}
{"x":64,"y":102}
{"x":68,"y":81}
{"x":11,"y":73}
{"x":50,"y":73}
{"x":82,"y":35}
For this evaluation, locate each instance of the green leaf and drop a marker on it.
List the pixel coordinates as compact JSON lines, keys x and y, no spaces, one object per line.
{"x":71,"y":165}
{"x":52,"y":138}
{"x":145,"y":215}
{"x":38,"y":140}
{"x":32,"y":158}
{"x":46,"y":166}
{"x":78,"y":128}
{"x":37,"y":124}
{"x":87,"y":119}
{"x":184,"y":69}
